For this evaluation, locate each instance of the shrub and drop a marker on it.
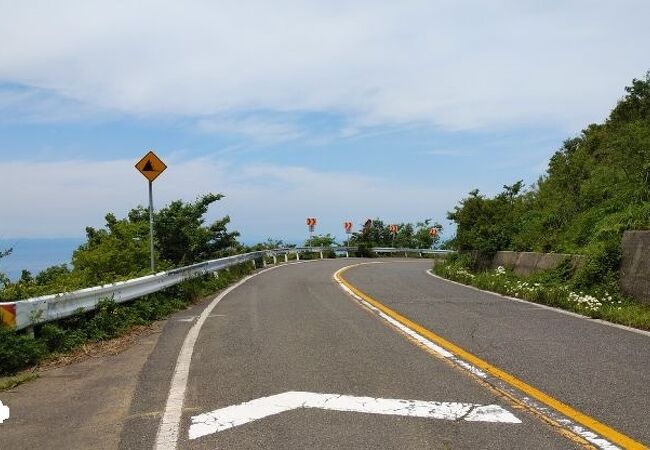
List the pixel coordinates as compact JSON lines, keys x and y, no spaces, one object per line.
{"x":554,"y":288}
{"x":109,"y":319}
{"x":58,"y":340}
{"x":18,"y":350}
{"x":365,"y":251}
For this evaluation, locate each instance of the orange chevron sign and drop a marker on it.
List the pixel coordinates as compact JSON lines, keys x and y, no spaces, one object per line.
{"x":347,"y":226}
{"x":8,"y":315}
{"x":433,"y":232}
{"x":393,"y":228}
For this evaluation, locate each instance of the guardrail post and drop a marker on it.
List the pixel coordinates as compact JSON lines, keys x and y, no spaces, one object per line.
{"x":406,"y":255}
{"x":297,"y":256}
{"x":347,"y":253}
{"x":254,"y":265}
{"x":275,"y":259}
{"x":264,"y":261}
{"x":286,"y":257}
{"x":30,"y":331}
{"x":321,"y":255}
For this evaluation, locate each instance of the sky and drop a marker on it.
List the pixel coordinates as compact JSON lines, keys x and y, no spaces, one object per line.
{"x":332,"y":109}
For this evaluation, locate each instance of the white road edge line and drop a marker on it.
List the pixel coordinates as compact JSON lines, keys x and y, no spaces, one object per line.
{"x":539,"y":305}
{"x":439,"y":351}
{"x":585,"y":433}
{"x":167,"y":436}
{"x":243,"y":413}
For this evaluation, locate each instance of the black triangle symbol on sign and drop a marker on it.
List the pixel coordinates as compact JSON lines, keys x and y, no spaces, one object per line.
{"x":148,"y":167}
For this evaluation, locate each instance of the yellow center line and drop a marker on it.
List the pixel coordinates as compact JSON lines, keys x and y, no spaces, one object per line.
{"x":572,"y":413}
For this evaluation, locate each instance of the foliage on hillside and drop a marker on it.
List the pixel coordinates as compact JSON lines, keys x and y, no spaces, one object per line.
{"x":183,"y":238}
{"x":120,"y":250}
{"x":597,"y":185}
{"x":4,"y":280}
{"x":375,"y":233}
{"x":554,"y":287}
{"x":269,"y":244}
{"x":19,"y":350}
{"x":321,"y":240}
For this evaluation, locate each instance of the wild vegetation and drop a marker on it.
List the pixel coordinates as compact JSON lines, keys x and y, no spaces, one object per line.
{"x":597,"y":186}
{"x":554,"y":288}
{"x":19,"y":350}
{"x":375,"y":233}
{"x":118,"y":251}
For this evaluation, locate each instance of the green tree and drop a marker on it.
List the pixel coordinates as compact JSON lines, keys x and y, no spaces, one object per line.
{"x":488,"y":224}
{"x":269,"y":244}
{"x":596,"y":186}
{"x":376,"y":233}
{"x":422,"y":236}
{"x":321,"y":240}
{"x":183,"y":238}
{"x":4,"y":279}
{"x":119,"y":250}
{"x":373,"y":233}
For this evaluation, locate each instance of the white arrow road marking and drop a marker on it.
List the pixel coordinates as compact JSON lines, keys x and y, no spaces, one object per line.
{"x":232,"y":416}
{"x":4,"y":412}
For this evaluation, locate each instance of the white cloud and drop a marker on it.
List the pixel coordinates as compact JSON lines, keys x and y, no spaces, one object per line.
{"x":32,"y":105}
{"x":457,"y":64}
{"x":61,"y":198}
{"x":259,"y":129}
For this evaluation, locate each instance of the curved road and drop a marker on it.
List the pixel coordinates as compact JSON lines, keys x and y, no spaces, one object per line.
{"x":354,"y":380}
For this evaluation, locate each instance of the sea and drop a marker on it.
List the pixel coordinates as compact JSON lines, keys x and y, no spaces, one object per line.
{"x":36,"y":254}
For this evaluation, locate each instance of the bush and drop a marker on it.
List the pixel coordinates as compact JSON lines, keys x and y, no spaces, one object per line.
{"x":365,"y":251}
{"x":596,"y":186}
{"x":59,"y":340}
{"x":18,"y":350}
{"x":555,"y":288}
{"x":602,"y":265}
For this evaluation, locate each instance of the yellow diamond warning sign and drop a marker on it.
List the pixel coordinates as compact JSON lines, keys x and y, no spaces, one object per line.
{"x":151,"y":166}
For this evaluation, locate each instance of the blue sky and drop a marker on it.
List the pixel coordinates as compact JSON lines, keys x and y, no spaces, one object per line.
{"x":339,"y":110}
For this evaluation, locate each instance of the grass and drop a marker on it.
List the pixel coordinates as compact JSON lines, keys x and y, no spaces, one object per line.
{"x":19,"y":351}
{"x":554,"y":288}
{"x":11,"y":382}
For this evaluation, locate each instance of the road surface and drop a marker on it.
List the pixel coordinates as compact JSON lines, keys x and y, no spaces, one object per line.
{"x":290,"y":359}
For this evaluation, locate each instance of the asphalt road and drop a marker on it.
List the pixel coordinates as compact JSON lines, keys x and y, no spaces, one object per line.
{"x":294,"y":329}
{"x":601,"y":370}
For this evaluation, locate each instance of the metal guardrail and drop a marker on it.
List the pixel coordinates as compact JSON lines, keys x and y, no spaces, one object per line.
{"x":38,"y":310}
{"x":421,"y":251}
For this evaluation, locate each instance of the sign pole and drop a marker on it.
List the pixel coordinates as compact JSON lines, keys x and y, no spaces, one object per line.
{"x":349,"y":233}
{"x":153,"y":265}
{"x":151,"y":166}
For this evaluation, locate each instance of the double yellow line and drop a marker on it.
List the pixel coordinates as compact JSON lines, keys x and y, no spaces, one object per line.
{"x":579,"y":417}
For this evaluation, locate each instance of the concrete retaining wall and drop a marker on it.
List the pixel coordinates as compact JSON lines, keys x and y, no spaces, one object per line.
{"x":527,"y":263}
{"x":635,"y":264}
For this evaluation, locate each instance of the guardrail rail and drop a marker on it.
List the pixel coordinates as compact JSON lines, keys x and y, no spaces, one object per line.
{"x":26,"y":313}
